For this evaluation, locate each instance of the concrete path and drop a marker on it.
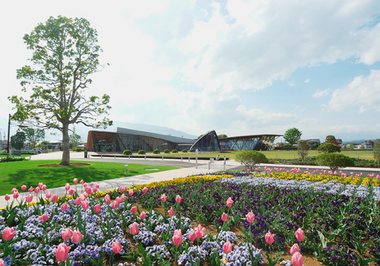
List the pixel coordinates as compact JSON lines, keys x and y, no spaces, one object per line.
{"x":189,"y":168}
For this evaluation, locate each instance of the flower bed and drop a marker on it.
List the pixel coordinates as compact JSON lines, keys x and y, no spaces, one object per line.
{"x":205,"y":220}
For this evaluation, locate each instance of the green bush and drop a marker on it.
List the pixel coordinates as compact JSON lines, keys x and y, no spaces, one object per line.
{"x":79,"y":149}
{"x":175,"y":151}
{"x":141,"y":152}
{"x":3,"y":152}
{"x":156,"y":151}
{"x":334,"y":160}
{"x":184,"y":150}
{"x":250,"y":158}
{"x":127,"y":152}
{"x":192,"y":150}
{"x":12,"y":159}
{"x":166,"y":151}
{"x":328,"y":148}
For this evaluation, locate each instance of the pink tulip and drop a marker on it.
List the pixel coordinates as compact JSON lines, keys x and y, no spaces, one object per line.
{"x":131,"y":192}
{"x":299,"y":235}
{"x":116,"y":247}
{"x":2,"y":263}
{"x":7,"y":197}
{"x":115,"y":204}
{"x":75,"y":181}
{"x":134,"y":209}
{"x":14,"y":190}
{"x":29,"y":198}
{"x":118,"y":200}
{"x":177,"y":237}
{"x":64,"y":206}
{"x":295,"y":248}
{"x":171,"y":212}
{"x":250,"y":217}
{"x":85,"y":205}
{"x":78,"y":201}
{"x":123,"y":198}
{"x":108,"y":201}
{"x":97,"y":185}
{"x":91,"y":184}
{"x":67,"y":186}
{"x":62,"y":252}
{"x":121,"y":189}
{"x":145,"y":190}
{"x":71,"y":191}
{"x":97,"y":208}
{"x":134,"y":228}
{"x":178,"y":199}
{"x":82,"y":181}
{"x":199,"y":231}
{"x":77,"y":236}
{"x":40,"y":185}
{"x":224,"y":217}
{"x":94,"y":190}
{"x":44,"y":187}
{"x":8,"y":233}
{"x":23,"y":187}
{"x":230,"y":202}
{"x":227,"y":247}
{"x":142,"y":215}
{"x":84,"y":185}
{"x":16,"y":195}
{"x":44,"y":217}
{"x":269,"y":237}
{"x":164,"y":198}
{"x":48,"y":195}
{"x":31,"y":189}
{"x":88,"y":190}
{"x":37,"y":190}
{"x":297,"y":259}
{"x":192,"y":236}
{"x":67,"y":234}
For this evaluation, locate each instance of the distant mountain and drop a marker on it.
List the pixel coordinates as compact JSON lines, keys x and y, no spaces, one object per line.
{"x":359,"y":141}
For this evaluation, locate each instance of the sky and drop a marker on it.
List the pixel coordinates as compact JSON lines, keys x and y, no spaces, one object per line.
{"x":238,"y":67}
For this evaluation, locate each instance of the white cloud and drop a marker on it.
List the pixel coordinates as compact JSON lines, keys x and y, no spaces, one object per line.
{"x":362,"y":92}
{"x":307,"y":81}
{"x":291,"y":84}
{"x":320,"y":93}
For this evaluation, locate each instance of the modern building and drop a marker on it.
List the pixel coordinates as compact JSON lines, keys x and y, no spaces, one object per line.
{"x":134,"y":140}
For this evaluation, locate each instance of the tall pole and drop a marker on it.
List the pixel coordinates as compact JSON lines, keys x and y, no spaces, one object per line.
{"x":9,"y":133}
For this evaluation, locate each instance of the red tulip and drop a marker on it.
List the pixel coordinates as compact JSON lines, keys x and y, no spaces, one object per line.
{"x":224,"y":217}
{"x":55,"y":197}
{"x":62,"y":252}
{"x":192,"y":236}
{"x":14,"y":190}
{"x":82,"y":181}
{"x":40,"y":185}
{"x":29,"y":198}
{"x":134,"y":209}
{"x":44,"y":187}
{"x":16,"y":195}
{"x":142,"y":215}
{"x":145,"y":190}
{"x":230,"y":202}
{"x":178,"y":199}
{"x":64,"y":206}
{"x":7,"y":197}
{"x":227,"y":247}
{"x":297,"y":259}
{"x":116,"y":247}
{"x":37,"y":190}
{"x":75,"y":181}
{"x":97,"y":208}
{"x":295,"y":248}
{"x":164,"y":198}
{"x":23,"y":187}
{"x":77,"y":236}
{"x":8,"y":233}
{"x":131,"y":192}
{"x":269,"y":237}
{"x":44,"y":217}
{"x":67,"y":234}
{"x":250,"y":217}
{"x":177,"y":237}
{"x":299,"y":235}
{"x":171,"y":212}
{"x":134,"y":228}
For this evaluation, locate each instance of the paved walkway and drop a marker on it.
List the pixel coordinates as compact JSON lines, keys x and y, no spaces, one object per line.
{"x":189,"y":168}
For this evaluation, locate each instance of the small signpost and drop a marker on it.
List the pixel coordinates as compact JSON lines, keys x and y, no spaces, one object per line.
{"x":125,"y":169}
{"x":196,"y":158}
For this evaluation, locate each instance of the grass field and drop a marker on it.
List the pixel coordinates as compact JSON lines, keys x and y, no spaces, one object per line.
{"x":360,"y":154}
{"x":16,"y":174}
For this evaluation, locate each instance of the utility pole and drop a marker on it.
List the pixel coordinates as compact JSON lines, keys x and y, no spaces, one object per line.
{"x":9,"y":133}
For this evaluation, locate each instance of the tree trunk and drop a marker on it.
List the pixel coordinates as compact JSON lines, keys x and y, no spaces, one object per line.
{"x":65,"y":145}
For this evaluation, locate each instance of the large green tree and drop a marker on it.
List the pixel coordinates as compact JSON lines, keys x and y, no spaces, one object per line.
{"x":17,"y":140}
{"x":292,"y":136}
{"x":65,"y":53}
{"x":34,"y":135}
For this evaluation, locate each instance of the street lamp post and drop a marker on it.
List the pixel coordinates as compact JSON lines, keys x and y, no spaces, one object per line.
{"x":9,"y":133}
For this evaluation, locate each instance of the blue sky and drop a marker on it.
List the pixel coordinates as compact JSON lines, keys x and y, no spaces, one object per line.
{"x":239,"y":67}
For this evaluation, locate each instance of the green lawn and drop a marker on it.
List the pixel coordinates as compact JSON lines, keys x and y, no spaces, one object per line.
{"x":360,"y":154}
{"x":16,"y":174}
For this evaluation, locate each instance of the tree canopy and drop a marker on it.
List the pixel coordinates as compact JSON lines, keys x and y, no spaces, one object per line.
{"x":34,"y":135}
{"x":65,"y":53}
{"x":17,"y":140}
{"x":330,"y":139}
{"x":292,"y":136}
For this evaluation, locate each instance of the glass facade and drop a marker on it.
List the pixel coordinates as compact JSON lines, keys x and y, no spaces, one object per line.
{"x":247,"y":143}
{"x":208,"y":142}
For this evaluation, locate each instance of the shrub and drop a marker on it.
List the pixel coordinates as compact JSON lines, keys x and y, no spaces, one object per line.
{"x":184,"y":150}
{"x":334,"y":160}
{"x":192,"y":150}
{"x":166,"y":151}
{"x":127,"y":152}
{"x":175,"y":151}
{"x":141,"y":152}
{"x":250,"y":158}
{"x":376,"y":149}
{"x":156,"y":151}
{"x":3,"y":152}
{"x":12,"y":159}
{"x":328,"y":148}
{"x":303,"y":148}
{"x":79,"y":149}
